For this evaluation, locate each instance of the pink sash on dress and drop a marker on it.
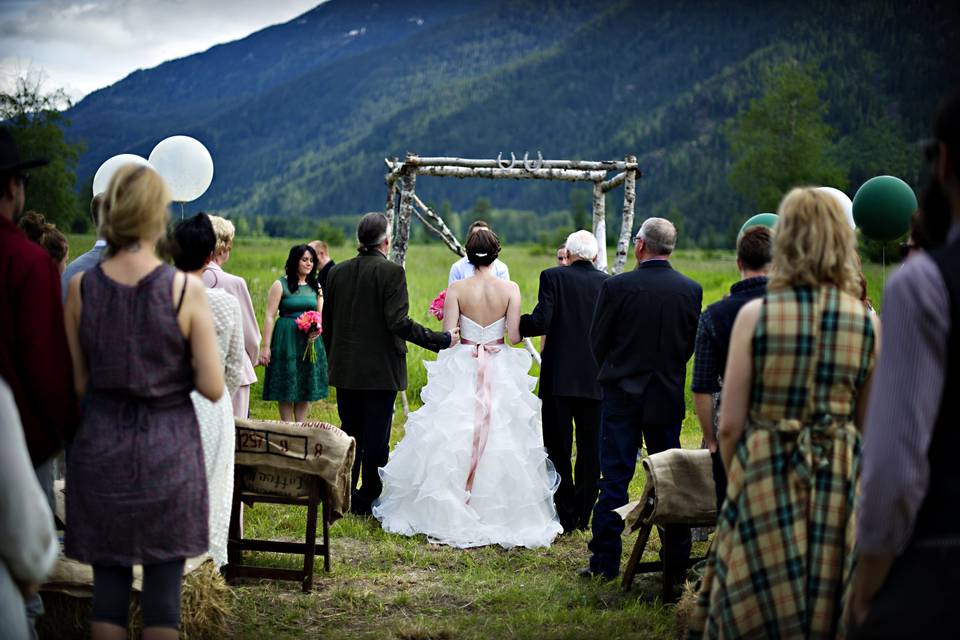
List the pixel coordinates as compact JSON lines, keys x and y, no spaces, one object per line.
{"x":483,"y":408}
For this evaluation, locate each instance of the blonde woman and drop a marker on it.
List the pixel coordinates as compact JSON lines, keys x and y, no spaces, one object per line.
{"x":794,"y":394}
{"x":216,"y":278}
{"x":141,"y":338}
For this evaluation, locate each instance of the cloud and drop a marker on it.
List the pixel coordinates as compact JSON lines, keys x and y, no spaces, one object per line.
{"x":85,"y":45}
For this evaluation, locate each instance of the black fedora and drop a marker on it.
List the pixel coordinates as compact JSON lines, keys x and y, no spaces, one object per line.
{"x":10,"y":161}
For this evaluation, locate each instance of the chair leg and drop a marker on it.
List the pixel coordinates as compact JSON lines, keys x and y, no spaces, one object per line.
{"x":643,"y":535}
{"x":311,"y":542}
{"x":235,"y":530}
{"x":326,"y":534}
{"x":666,"y":594}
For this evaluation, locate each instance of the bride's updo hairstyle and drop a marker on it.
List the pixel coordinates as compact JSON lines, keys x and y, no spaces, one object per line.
{"x":483,"y":247}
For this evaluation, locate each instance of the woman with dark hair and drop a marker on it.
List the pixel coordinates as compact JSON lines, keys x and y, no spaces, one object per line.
{"x":471,"y":469}
{"x":293,"y":379}
{"x":47,"y":236}
{"x":195,"y":242}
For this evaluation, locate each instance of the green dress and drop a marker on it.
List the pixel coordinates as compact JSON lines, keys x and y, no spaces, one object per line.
{"x":290,"y":378}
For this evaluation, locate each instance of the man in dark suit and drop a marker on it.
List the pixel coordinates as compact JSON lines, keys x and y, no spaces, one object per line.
{"x":365,"y":328}
{"x":568,"y":375}
{"x":643,"y":334}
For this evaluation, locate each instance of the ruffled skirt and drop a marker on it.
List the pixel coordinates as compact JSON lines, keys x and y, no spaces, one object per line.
{"x":425,"y":481}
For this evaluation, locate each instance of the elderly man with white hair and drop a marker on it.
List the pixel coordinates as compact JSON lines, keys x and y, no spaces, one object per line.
{"x":643,"y":334}
{"x":568,"y":376}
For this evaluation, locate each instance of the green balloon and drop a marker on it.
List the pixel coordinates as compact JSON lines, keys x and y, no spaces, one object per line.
{"x":762,"y":220}
{"x":883,"y":207}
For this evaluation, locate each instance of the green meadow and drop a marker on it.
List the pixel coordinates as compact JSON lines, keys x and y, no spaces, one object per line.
{"x":388,"y":586}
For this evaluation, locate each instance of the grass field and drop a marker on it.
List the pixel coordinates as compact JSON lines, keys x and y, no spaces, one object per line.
{"x":388,"y":586}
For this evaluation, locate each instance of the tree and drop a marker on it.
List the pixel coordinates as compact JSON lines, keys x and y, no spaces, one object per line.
{"x":580,"y":200}
{"x":781,"y":140}
{"x":481,"y":208}
{"x":331,"y":234}
{"x":36,"y":122}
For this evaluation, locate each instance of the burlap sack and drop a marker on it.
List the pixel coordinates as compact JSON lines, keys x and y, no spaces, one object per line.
{"x":75,"y":579}
{"x":680,"y":484}
{"x":273,"y":456}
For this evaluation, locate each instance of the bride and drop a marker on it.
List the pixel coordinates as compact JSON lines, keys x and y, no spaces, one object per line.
{"x":471,"y":469}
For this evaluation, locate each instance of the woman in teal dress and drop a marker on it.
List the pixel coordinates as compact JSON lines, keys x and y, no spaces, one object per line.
{"x":291,"y":379}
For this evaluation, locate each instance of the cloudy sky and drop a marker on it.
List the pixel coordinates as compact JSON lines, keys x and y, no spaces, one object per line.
{"x":84,"y":45}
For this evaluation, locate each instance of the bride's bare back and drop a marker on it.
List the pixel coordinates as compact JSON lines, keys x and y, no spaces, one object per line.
{"x":484,"y":298}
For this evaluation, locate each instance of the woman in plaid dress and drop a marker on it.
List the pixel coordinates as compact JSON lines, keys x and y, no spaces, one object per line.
{"x":794,"y":393}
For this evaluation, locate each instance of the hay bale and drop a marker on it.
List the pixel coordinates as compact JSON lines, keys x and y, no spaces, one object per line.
{"x":684,"y":608}
{"x":205,"y":609}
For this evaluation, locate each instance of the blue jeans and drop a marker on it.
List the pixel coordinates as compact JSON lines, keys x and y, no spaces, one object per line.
{"x":622,"y":432}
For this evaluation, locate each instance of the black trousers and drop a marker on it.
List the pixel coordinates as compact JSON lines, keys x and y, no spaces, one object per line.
{"x":579,"y":485}
{"x":366,"y":416}
{"x":919,"y":598}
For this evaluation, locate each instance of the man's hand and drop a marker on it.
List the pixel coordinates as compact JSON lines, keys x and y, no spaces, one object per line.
{"x":454,"y":335}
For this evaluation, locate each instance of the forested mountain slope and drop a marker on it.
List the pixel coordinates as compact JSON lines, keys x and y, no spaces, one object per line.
{"x":299,"y":116}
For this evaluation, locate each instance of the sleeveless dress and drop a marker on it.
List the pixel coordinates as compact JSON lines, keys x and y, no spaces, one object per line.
{"x":216,"y":420}
{"x":290,"y":378}
{"x":136,"y":486}
{"x":471,"y":469}
{"x":782,"y":561}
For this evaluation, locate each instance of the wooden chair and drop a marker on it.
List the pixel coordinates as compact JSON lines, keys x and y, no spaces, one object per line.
{"x":315,"y":500}
{"x":685,"y":480}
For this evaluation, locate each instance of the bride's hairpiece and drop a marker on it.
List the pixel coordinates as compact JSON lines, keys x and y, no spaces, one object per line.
{"x":481,"y":255}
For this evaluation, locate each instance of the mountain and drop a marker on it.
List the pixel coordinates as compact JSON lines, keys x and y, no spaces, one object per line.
{"x":299,"y":116}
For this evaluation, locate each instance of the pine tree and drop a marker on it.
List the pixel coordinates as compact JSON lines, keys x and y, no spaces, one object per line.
{"x":781,"y":140}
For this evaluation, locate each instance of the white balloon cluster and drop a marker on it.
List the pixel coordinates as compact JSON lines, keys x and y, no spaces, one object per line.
{"x":183,"y":162}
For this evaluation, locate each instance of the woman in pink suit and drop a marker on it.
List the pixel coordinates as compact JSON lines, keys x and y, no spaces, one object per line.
{"x":216,"y":278}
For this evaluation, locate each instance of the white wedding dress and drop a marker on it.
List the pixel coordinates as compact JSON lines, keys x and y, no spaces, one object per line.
{"x":489,"y":426}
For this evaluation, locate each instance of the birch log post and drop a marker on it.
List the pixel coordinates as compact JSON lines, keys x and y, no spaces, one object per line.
{"x":401,"y":234}
{"x":437,"y":226}
{"x":584,"y":165}
{"x":629,"y":198}
{"x":572,"y":175}
{"x":600,"y":225}
{"x":390,"y":207}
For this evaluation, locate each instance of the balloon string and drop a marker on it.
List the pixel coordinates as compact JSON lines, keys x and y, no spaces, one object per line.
{"x":883,"y":272}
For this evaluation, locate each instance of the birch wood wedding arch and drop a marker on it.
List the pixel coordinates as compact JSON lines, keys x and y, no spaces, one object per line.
{"x":403,"y":203}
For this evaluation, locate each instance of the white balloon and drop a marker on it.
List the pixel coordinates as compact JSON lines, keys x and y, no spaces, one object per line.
{"x":844,"y":201}
{"x":101,"y":180}
{"x":185,"y":165}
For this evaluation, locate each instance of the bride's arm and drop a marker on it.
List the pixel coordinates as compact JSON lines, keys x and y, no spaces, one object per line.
{"x":513,"y":314}
{"x":451,"y":309}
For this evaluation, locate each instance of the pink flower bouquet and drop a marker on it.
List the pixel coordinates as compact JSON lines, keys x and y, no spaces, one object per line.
{"x":308,"y":322}
{"x":436,"y":307}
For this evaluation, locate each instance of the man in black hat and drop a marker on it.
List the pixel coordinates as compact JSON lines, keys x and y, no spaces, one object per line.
{"x":34,"y":357}
{"x":366,"y":328}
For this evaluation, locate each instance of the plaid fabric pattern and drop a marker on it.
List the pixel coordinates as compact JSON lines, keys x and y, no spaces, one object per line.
{"x":706,"y":373}
{"x":782,"y":560}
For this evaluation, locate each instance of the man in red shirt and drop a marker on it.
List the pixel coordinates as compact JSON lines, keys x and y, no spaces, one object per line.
{"x":34,"y":359}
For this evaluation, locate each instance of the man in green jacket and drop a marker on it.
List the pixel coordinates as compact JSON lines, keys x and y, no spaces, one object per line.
{"x":365,"y":330}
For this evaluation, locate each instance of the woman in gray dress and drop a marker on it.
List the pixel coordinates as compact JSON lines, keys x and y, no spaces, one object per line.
{"x":141,"y":338}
